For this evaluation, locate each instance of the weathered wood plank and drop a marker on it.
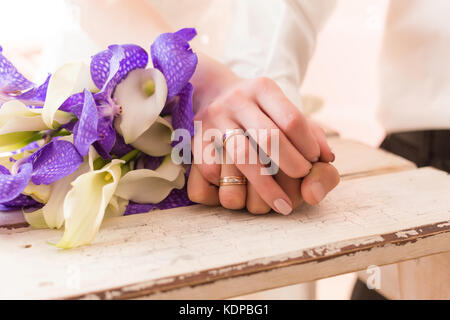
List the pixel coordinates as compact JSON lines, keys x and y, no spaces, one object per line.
{"x":355,"y":159}
{"x":170,"y":253}
{"x":303,"y":272}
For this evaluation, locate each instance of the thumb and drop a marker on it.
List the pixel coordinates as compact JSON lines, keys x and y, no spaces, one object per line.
{"x":321,"y":180}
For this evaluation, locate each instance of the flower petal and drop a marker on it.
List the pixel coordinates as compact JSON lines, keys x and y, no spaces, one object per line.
{"x":22,"y":201}
{"x":116,"y":207}
{"x":34,"y":95}
{"x":15,"y":116}
{"x":152,"y":163}
{"x":177,"y":198}
{"x":85,"y":131}
{"x":11,"y":142}
{"x":156,"y":141}
{"x":106,"y":137}
{"x":111,"y":66}
{"x":182,"y":112}
{"x":94,"y":190}
{"x":11,"y":186}
{"x":54,"y":161}
{"x":39,"y":193}
{"x":120,"y":147}
{"x":151,"y":186}
{"x":69,"y":79}
{"x":53,"y":211}
{"x":74,"y":104}
{"x":139,"y":111}
{"x":35,"y":219}
{"x":10,"y":79}
{"x":172,"y":55}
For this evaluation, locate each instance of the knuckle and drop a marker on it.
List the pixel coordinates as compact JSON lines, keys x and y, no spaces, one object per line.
{"x":215,"y":108}
{"x":232,"y":198}
{"x":293,"y":123}
{"x":211,"y":173}
{"x":263,"y":83}
{"x":235,"y":93}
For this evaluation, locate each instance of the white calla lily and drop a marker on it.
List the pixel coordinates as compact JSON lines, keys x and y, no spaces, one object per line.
{"x":17,"y":140}
{"x":35,"y":219}
{"x":141,"y":103}
{"x":156,"y":141}
{"x":53,"y":211}
{"x":93,"y":191}
{"x":15,"y":116}
{"x":6,"y":162}
{"x":116,"y":207}
{"x":71,"y":78}
{"x":41,"y":193}
{"x":151,"y":186}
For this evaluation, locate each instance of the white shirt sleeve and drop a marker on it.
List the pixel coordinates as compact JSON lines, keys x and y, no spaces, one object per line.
{"x":276,"y":39}
{"x":414,"y":68}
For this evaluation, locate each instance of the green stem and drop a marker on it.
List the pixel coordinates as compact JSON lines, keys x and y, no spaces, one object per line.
{"x":130,"y":155}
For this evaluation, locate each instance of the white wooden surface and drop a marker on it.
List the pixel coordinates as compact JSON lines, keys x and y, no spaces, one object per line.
{"x":355,"y":159}
{"x":201,"y":252}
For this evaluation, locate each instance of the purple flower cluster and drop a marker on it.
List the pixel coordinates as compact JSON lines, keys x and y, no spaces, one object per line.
{"x":94,"y":115}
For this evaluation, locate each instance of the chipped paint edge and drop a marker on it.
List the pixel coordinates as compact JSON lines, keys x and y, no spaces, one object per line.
{"x":316,"y":254}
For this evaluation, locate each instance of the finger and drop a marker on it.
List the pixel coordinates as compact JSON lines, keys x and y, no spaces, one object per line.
{"x":287,"y":117}
{"x":291,"y":186}
{"x":200,"y":190}
{"x":255,"y":204}
{"x":204,"y":154}
{"x":322,"y":179}
{"x":272,"y":140}
{"x":233,"y":196}
{"x":265,"y":184}
{"x":326,"y":155}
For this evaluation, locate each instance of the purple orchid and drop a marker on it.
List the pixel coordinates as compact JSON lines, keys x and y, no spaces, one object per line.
{"x":13,"y":84}
{"x":108,"y":68}
{"x":85,"y":131}
{"x":54,"y":161}
{"x":48,"y":164}
{"x":21,"y":202}
{"x":12,"y":185}
{"x":171,"y":55}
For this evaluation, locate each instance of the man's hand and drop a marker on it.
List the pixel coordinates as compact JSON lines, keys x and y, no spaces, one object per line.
{"x":312,"y":189}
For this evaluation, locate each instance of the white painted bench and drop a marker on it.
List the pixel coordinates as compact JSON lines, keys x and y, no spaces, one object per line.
{"x":385,"y":211}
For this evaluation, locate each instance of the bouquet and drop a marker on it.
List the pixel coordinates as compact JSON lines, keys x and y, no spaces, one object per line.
{"x":95,"y":139}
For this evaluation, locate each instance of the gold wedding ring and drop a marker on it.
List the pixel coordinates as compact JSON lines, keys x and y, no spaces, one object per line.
{"x":231,"y":133}
{"x":232,"y":181}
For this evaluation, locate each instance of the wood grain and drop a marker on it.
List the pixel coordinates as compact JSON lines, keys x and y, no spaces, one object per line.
{"x":206,"y":252}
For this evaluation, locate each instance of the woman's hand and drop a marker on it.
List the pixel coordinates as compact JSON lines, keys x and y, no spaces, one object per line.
{"x":312,"y":189}
{"x":224,"y":101}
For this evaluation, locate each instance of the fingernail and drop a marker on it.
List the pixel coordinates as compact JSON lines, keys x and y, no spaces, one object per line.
{"x":333,"y":157}
{"x":315,"y":160}
{"x":318,"y":191}
{"x":282,"y":207}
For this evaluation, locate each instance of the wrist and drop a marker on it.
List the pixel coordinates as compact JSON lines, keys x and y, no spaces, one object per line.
{"x":210,"y":79}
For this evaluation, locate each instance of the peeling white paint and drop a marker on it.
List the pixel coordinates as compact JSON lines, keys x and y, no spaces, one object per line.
{"x":406,"y":234}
